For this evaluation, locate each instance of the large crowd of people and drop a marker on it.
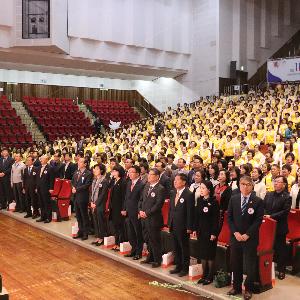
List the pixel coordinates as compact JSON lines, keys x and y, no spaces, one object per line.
{"x":238,"y":154}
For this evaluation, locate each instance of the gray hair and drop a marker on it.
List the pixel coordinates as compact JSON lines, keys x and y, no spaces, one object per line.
{"x":248,"y":179}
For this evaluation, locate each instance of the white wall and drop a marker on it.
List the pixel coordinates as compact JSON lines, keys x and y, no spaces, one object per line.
{"x":250,"y":31}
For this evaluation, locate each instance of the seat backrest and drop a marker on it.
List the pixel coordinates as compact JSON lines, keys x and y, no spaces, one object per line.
{"x":267,"y":233}
{"x":66,"y":189}
{"x":294,"y":224}
{"x":57,"y":187}
{"x":165,"y":211}
{"x":224,"y":236}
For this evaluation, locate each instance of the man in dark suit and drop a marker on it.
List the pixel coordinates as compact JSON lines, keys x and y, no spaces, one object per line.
{"x":6,"y":163}
{"x":29,"y":189}
{"x":277,"y":206}
{"x":197,"y":164}
{"x":245,"y":214}
{"x":164,"y":180}
{"x":68,"y":168}
{"x":56,"y":165}
{"x":181,"y":223}
{"x":132,"y":197}
{"x":36,"y":158}
{"x":44,"y":184}
{"x":81,"y":182}
{"x":150,"y":213}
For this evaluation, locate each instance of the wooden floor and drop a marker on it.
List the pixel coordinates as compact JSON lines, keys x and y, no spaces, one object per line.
{"x":37,"y":265}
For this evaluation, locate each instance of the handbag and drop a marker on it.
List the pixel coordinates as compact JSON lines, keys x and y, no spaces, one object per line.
{"x":222,"y":279}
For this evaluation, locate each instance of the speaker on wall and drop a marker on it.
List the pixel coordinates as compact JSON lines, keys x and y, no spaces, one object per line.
{"x":233,"y":69}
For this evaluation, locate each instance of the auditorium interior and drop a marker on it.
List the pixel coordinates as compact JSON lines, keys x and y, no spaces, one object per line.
{"x":150,"y":149}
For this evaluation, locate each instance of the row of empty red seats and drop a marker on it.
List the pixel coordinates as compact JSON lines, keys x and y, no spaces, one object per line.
{"x":12,"y":131}
{"x":115,"y":111}
{"x":106,"y":103}
{"x":58,"y":117}
{"x":48,"y":101}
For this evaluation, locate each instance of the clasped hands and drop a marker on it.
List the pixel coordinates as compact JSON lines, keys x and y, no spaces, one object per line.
{"x":241,"y":237}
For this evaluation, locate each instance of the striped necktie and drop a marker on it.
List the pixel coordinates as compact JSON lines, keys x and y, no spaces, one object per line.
{"x":244,"y":204}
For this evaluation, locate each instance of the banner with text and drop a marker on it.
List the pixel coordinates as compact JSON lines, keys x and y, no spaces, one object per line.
{"x":287,"y":69}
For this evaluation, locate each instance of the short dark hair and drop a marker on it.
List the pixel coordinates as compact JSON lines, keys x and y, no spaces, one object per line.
{"x":183,"y":177}
{"x":102,"y":168}
{"x":287,"y":167}
{"x":145,"y":166}
{"x":136,"y":168}
{"x":208,"y":184}
{"x":155,"y":171}
{"x":119,"y":169}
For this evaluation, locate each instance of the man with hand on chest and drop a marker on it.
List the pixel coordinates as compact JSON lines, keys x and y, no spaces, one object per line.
{"x":44,"y":185}
{"x":29,"y":189}
{"x":133,"y":196}
{"x":16,"y":178}
{"x":181,"y":212}
{"x":81,"y":182}
{"x":150,"y":213}
{"x":245,"y":215}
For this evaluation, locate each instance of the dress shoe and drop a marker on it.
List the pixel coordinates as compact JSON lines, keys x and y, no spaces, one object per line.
{"x":35,"y":216}
{"x":175,"y":271}
{"x":47,"y":221}
{"x":77,"y":236}
{"x":207,"y":282}
{"x":40,"y":220}
{"x":281,"y":275}
{"x":201,"y":280}
{"x":183,"y":273}
{"x":27,"y":216}
{"x":21,"y":211}
{"x":234,"y":292}
{"x":147,"y":261}
{"x":94,"y":243}
{"x":99,"y":243}
{"x":84,"y":237}
{"x":129,"y":255}
{"x":137,"y":257}
{"x":247,"y":295}
{"x":156,"y":265}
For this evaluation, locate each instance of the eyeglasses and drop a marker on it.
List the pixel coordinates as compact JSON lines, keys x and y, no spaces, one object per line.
{"x":246,"y":184}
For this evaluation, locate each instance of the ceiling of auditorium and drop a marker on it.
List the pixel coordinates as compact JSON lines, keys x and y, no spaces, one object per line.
{"x":51,"y":62}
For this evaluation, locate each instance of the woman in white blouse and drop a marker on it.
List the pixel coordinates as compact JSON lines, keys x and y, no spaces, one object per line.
{"x":195,"y":187}
{"x":295,"y":191}
{"x":259,"y":185}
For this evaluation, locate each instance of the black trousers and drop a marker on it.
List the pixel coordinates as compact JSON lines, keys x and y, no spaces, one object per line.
{"x":153,"y":238}
{"x":181,"y":248}
{"x":241,"y":256}
{"x":99,"y":223}
{"x":135,"y":235}
{"x":280,"y":256}
{"x":45,"y":204}
{"x":119,"y":230}
{"x":82,"y":215}
{"x":31,"y":199}
{"x":5,"y":191}
{"x":19,"y":196}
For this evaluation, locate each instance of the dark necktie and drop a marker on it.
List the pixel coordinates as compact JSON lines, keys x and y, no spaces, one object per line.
{"x":244,"y":204}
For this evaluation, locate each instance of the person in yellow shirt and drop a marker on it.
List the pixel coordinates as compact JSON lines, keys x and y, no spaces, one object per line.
{"x":229,"y":148}
{"x":250,"y":158}
{"x":238,"y":159}
{"x":205,"y":153}
{"x":270,"y":135}
{"x":286,"y":172}
{"x":269,"y":179}
{"x":260,"y":132}
{"x":258,"y":156}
